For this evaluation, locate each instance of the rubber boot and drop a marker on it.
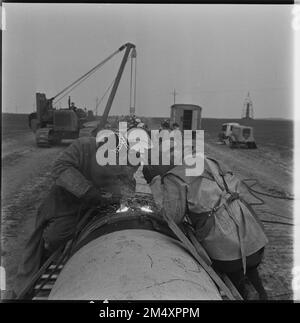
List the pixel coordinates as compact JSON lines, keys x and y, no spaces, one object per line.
{"x":254,"y":278}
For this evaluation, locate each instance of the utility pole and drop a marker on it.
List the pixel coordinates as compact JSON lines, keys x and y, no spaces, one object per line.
{"x":174,"y":93}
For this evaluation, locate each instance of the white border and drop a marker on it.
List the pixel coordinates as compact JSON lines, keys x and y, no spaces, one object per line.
{"x":296,"y":96}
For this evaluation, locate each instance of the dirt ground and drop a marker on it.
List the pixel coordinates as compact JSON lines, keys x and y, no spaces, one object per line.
{"x":26,"y":180}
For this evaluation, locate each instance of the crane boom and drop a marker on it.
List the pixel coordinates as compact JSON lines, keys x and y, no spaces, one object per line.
{"x":133,"y":82}
{"x":51,"y":125}
{"x":87,"y":74}
{"x":103,"y":121}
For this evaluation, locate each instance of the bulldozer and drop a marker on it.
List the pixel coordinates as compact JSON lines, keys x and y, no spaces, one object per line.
{"x":51,"y":125}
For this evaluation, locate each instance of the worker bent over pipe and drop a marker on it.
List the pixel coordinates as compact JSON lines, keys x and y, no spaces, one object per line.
{"x":213,"y":205}
{"x":80,"y":182}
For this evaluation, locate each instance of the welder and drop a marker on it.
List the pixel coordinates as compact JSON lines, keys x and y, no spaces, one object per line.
{"x":79,"y":183}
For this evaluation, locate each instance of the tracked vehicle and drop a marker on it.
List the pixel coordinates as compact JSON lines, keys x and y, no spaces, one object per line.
{"x":51,"y":125}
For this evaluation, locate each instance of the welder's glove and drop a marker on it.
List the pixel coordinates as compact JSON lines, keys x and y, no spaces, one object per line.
{"x":112,"y":198}
{"x":94,"y":197}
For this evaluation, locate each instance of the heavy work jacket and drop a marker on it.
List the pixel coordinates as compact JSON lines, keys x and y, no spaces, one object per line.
{"x":76,"y":170}
{"x":227,"y":230}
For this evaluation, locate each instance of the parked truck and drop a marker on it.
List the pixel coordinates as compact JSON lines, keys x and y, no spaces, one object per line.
{"x":235,"y":135}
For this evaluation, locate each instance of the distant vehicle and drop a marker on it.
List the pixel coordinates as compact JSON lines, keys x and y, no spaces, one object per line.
{"x":236,"y":136}
{"x":51,"y":126}
{"x":226,"y":131}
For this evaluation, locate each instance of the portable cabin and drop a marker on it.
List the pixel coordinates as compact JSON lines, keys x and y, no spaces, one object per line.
{"x":187,"y":116}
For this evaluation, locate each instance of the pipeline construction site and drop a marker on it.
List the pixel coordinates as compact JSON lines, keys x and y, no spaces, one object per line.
{"x":26,"y":181}
{"x":114,"y":186}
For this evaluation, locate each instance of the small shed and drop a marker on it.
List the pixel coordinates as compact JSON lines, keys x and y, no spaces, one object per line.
{"x":188,"y":116}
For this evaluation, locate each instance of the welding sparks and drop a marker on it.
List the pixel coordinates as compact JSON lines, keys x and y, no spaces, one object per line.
{"x":146,"y":209}
{"x":122,"y":208}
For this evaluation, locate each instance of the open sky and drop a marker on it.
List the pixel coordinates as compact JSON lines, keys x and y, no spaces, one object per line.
{"x":211,"y":54}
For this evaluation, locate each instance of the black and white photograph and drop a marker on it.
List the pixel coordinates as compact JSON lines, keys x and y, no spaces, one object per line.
{"x":149,"y":153}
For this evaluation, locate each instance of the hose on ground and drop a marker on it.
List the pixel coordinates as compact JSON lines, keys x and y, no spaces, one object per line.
{"x":262,"y":202}
{"x":251,"y":190}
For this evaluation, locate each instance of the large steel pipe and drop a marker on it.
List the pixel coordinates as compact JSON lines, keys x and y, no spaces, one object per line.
{"x":133,"y":264}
